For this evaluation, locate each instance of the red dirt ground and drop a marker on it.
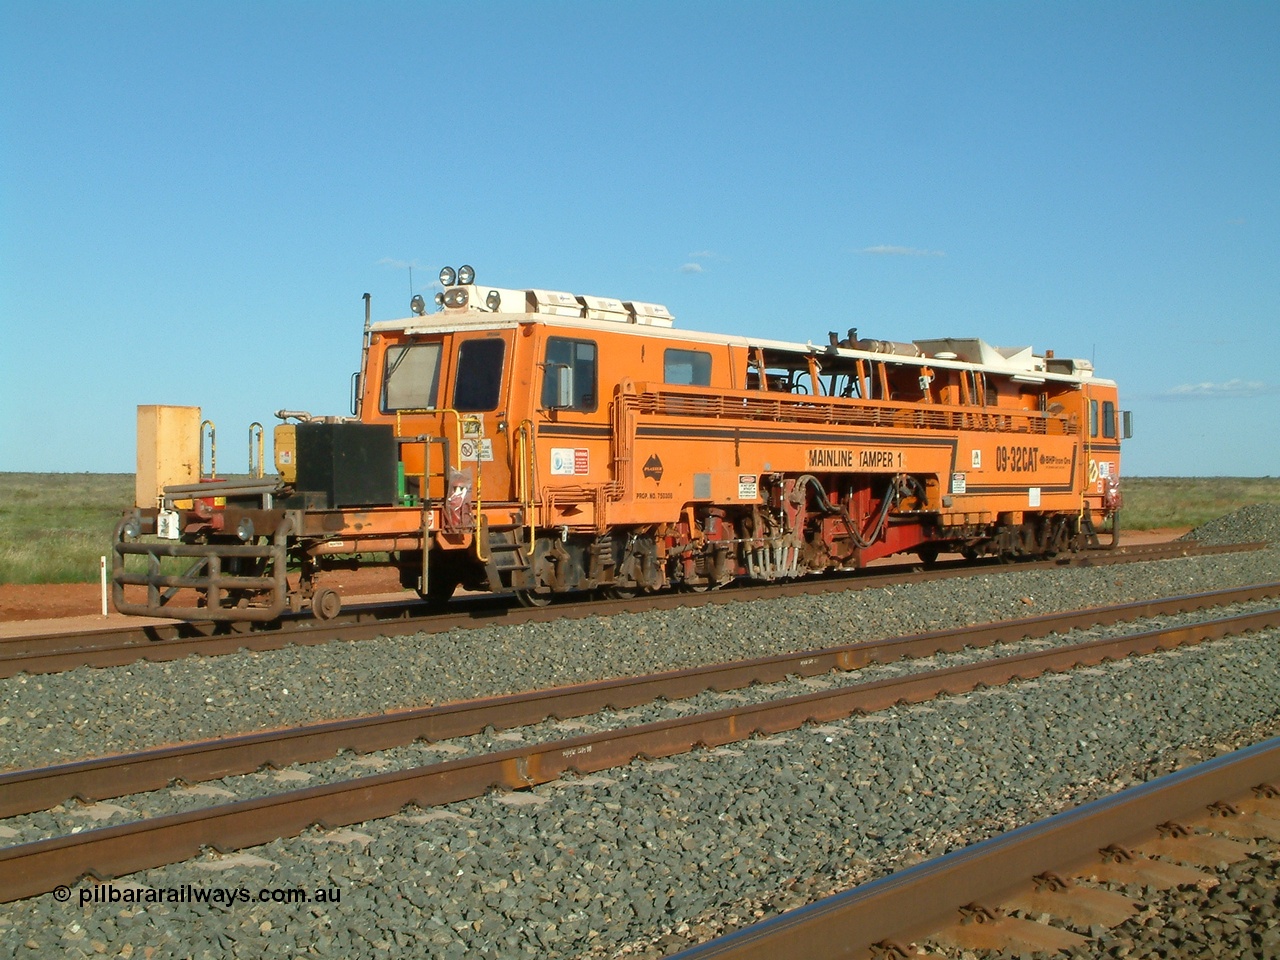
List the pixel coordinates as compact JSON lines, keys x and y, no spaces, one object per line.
{"x":32,"y":601}
{"x":20,"y":601}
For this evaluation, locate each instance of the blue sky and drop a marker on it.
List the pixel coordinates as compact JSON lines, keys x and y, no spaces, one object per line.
{"x":194,"y":197}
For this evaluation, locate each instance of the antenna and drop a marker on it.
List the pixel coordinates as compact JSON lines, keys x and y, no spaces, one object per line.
{"x":411,"y":279}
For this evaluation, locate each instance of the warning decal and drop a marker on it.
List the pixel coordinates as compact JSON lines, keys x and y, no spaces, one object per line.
{"x":570,"y":461}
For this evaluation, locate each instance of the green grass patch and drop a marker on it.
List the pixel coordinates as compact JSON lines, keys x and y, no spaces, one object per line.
{"x":55,"y":526}
{"x":1151,"y":502}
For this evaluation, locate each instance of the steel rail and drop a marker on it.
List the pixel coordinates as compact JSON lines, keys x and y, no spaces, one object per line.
{"x":54,"y":653}
{"x":25,"y":791}
{"x":873,"y":919}
{"x":37,"y":867}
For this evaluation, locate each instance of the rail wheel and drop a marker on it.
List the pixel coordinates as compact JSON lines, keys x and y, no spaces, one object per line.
{"x":326,"y":604}
{"x":528,"y":598}
{"x":928,"y":554}
{"x":440,"y":587}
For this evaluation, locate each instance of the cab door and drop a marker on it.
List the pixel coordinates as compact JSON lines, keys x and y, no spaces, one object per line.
{"x":573,"y":432}
{"x":480,"y":400}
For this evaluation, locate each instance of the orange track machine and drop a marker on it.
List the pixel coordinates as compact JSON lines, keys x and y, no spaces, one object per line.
{"x":546,"y":443}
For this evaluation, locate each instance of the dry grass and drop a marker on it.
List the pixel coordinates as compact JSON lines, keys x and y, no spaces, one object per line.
{"x":1151,"y":502}
{"x":55,"y":526}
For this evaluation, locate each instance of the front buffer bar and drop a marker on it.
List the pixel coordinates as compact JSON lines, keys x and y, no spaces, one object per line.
{"x":226,"y":596}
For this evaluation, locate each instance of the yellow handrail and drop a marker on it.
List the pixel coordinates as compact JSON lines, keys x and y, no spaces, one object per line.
{"x":457,"y":434}
{"x":458,"y":420}
{"x":526,"y":480}
{"x":481,"y":531}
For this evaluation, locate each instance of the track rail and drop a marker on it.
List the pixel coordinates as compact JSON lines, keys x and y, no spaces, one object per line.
{"x":25,"y":791}
{"x":54,"y":653}
{"x":879,"y":918}
{"x":35,"y":868}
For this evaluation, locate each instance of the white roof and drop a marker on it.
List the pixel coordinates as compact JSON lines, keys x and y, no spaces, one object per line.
{"x":946,"y":353}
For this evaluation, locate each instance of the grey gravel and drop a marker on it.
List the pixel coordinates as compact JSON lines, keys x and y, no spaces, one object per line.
{"x":72,"y":816}
{"x":1258,"y":521}
{"x":644,"y":858}
{"x":1238,"y":917}
{"x":90,"y":712}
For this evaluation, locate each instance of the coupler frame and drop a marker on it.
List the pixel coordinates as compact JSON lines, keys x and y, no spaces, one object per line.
{"x":229,"y":596}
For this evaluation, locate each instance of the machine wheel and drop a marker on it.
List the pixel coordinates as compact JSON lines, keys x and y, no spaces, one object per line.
{"x":326,"y":604}
{"x":439,"y":589}
{"x":528,"y":598}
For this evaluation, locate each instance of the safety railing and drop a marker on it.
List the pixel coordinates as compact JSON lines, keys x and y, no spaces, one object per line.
{"x":526,"y":474}
{"x":227,"y":595}
{"x":837,"y":411}
{"x":257,"y":450}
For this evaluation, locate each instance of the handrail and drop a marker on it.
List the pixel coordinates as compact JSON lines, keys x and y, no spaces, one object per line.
{"x":424,"y":411}
{"x":449,"y":455}
{"x":775,"y":406}
{"x":213,"y":449}
{"x":526,"y":476}
{"x":256,"y":467}
{"x":481,"y":533}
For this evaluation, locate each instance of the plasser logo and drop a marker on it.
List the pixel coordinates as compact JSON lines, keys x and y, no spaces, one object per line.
{"x":653,"y":468}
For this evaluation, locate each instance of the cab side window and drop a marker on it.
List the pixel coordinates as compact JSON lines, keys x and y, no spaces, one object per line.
{"x":687,"y":368}
{"x":1108,"y":419}
{"x":580,"y":357}
{"x":1093,"y":418}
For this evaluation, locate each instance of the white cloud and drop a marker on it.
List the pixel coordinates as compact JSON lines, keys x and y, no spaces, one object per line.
{"x":1230,"y":388}
{"x":395,"y":264}
{"x":694,"y":265}
{"x":889,"y":250}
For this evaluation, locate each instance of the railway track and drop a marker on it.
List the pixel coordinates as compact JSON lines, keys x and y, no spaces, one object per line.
{"x":1166,"y":833}
{"x":118,"y":646}
{"x":25,"y":791}
{"x":33,"y":868}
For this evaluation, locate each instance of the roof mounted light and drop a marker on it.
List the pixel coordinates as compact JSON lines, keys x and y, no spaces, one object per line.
{"x":493,"y":300}
{"x":418,"y":305}
{"x":447,"y":276}
{"x":439,"y":299}
{"x":466,"y":274}
{"x":457,"y":297}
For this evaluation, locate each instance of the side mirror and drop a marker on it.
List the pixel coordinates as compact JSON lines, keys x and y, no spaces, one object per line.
{"x":1126,"y":417}
{"x":564,"y":386}
{"x":355,"y":393}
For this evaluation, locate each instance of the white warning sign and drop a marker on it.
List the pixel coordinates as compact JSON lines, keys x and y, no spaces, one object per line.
{"x":570,"y":461}
{"x":472,"y":451}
